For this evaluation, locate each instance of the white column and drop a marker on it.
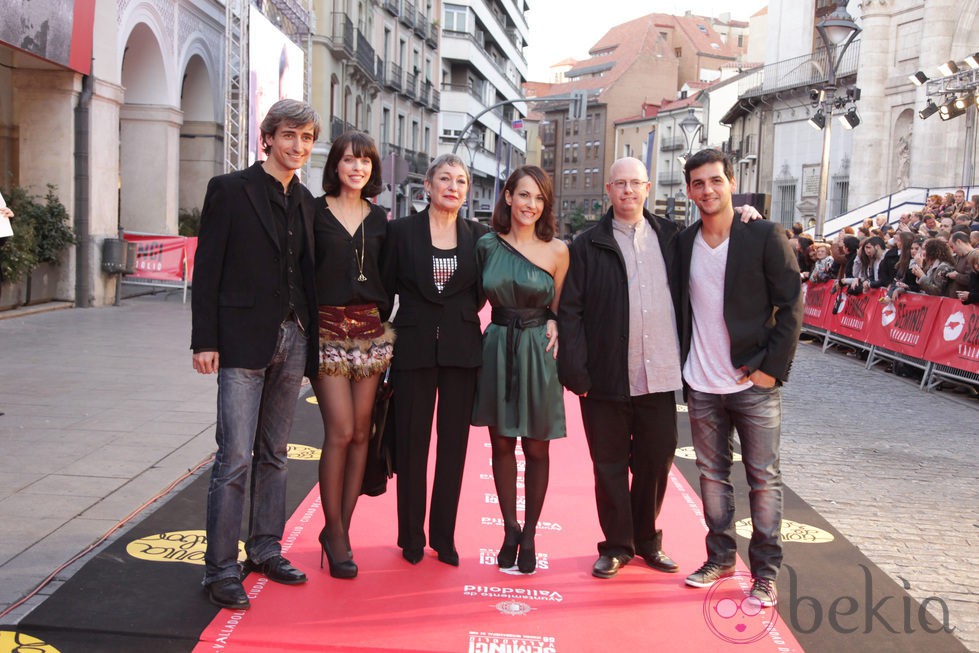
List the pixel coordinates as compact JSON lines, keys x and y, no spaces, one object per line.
{"x":871,"y":136}
{"x":936,"y":151}
{"x":149,"y":151}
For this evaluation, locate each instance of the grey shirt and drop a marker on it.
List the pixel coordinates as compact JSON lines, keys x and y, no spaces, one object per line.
{"x":654,"y":350}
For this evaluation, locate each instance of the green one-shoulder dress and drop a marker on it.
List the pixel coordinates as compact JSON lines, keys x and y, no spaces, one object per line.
{"x":535,"y":408}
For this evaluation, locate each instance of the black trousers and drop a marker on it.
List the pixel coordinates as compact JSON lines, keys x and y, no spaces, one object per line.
{"x":414,"y":408}
{"x":638,"y":435}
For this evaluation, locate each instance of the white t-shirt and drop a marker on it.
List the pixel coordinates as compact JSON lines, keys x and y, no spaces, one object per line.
{"x":708,"y":367}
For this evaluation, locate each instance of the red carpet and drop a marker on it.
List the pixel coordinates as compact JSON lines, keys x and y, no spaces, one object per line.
{"x":394,"y":606}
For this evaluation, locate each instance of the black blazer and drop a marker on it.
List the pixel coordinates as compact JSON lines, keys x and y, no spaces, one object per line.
{"x":762,"y":296}
{"x":236,"y":300}
{"x":406,"y":265}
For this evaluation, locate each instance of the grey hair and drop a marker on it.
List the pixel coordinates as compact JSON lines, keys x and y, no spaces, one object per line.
{"x":294,"y":113}
{"x":447,"y":159}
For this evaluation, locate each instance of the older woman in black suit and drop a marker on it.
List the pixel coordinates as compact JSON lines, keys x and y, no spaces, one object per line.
{"x":428,"y":261}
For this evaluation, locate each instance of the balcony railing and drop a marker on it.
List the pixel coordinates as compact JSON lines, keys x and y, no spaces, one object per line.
{"x":391,"y":6}
{"x":670,"y":143}
{"x":407,"y":16}
{"x":799,"y":72}
{"x":435,"y":103}
{"x":432,"y":38}
{"x":393,"y":78}
{"x":421,"y":25}
{"x":338,"y":127}
{"x":411,"y":85}
{"x":342,"y":36}
{"x":365,"y":56}
{"x":668,"y":178}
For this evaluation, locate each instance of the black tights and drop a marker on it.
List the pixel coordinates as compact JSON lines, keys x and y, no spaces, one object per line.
{"x":536,"y":455}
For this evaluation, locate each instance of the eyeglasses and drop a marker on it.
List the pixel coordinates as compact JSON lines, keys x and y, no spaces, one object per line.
{"x":622,"y":184}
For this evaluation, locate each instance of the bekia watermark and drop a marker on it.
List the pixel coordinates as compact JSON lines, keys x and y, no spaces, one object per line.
{"x":735,"y":616}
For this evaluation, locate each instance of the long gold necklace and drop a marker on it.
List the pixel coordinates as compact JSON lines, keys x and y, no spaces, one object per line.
{"x":363,"y":248}
{"x":363,"y":240}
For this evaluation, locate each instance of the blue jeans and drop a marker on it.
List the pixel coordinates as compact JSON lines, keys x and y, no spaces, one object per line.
{"x":255,"y":411}
{"x":756,"y":413}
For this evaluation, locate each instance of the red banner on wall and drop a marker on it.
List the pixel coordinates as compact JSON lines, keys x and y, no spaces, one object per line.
{"x":955,"y":337}
{"x":906,"y":325}
{"x":159,"y":257}
{"x":855,"y":315}
{"x":818,"y":303}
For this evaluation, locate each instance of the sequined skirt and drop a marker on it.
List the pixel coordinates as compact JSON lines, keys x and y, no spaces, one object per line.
{"x":353,"y":342}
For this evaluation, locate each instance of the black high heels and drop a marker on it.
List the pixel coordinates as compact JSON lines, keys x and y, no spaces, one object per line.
{"x":507,"y":556}
{"x":341,"y":569}
{"x":527,"y":560}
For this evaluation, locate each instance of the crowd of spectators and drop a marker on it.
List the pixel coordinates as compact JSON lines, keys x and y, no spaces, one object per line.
{"x":931,"y":251}
{"x":934,"y":251}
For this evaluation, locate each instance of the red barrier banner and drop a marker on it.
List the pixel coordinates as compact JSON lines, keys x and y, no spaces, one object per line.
{"x":955,"y":337}
{"x":191,"y":254}
{"x":906,"y":325}
{"x":854,"y":315}
{"x":817,"y":301}
{"x":158,"y":257}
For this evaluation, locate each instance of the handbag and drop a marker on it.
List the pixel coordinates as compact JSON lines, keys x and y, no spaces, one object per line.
{"x":379,"y":466}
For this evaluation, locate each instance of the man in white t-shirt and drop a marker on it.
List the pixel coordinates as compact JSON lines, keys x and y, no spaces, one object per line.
{"x":741,"y":313}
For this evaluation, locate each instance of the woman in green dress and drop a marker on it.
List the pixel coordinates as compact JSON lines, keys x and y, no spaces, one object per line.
{"x":521,"y":268}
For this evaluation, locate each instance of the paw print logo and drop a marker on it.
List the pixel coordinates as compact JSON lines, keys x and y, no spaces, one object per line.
{"x":735,"y":616}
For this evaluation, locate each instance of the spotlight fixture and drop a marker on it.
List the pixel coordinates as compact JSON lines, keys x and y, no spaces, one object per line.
{"x":972,"y":61}
{"x":918,"y":78}
{"x":950,"y":110}
{"x":963,"y":101}
{"x":818,"y":120}
{"x":930,"y":109}
{"x":948,"y":68}
{"x":815,"y":96}
{"x":853,"y":93}
{"x":850,"y":119}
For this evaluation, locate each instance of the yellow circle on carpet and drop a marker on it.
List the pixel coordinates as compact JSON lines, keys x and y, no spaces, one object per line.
{"x":302,"y":452}
{"x":176,"y":546}
{"x":792,"y":531}
{"x":688,"y":453}
{"x":11,"y":642}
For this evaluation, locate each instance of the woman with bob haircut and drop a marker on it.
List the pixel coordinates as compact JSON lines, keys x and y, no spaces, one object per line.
{"x":355,"y":346}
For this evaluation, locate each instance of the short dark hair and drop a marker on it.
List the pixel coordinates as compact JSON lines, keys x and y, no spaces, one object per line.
{"x":852,"y":243}
{"x":547,"y":224}
{"x":360,"y":145}
{"x":876,"y":240}
{"x":292,"y":113}
{"x":959,"y":236}
{"x":703,"y":157}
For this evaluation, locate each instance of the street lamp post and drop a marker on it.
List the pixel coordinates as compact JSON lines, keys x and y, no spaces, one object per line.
{"x":837,"y":32}
{"x":691,"y":127}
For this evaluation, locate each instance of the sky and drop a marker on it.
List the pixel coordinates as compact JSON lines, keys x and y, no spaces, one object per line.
{"x":561,"y":28}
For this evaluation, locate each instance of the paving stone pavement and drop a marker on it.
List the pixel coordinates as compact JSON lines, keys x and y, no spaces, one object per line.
{"x":103,"y":410}
{"x":893,"y":468}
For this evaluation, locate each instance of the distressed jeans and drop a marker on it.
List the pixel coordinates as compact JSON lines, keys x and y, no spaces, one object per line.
{"x":756,"y":414}
{"x":254,"y":419}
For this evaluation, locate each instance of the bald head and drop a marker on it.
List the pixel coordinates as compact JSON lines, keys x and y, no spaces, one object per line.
{"x":627,"y":188}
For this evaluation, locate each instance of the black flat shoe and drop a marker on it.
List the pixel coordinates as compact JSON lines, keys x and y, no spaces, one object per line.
{"x":660,"y":562}
{"x":277,"y":569}
{"x":450,"y":557}
{"x":228,"y":593}
{"x":341,"y":569}
{"x":414,"y":556}
{"x":507,"y":556}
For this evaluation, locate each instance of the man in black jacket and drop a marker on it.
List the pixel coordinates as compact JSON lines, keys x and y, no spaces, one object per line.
{"x":254,"y":309}
{"x":741,"y":313}
{"x":619,"y":352}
